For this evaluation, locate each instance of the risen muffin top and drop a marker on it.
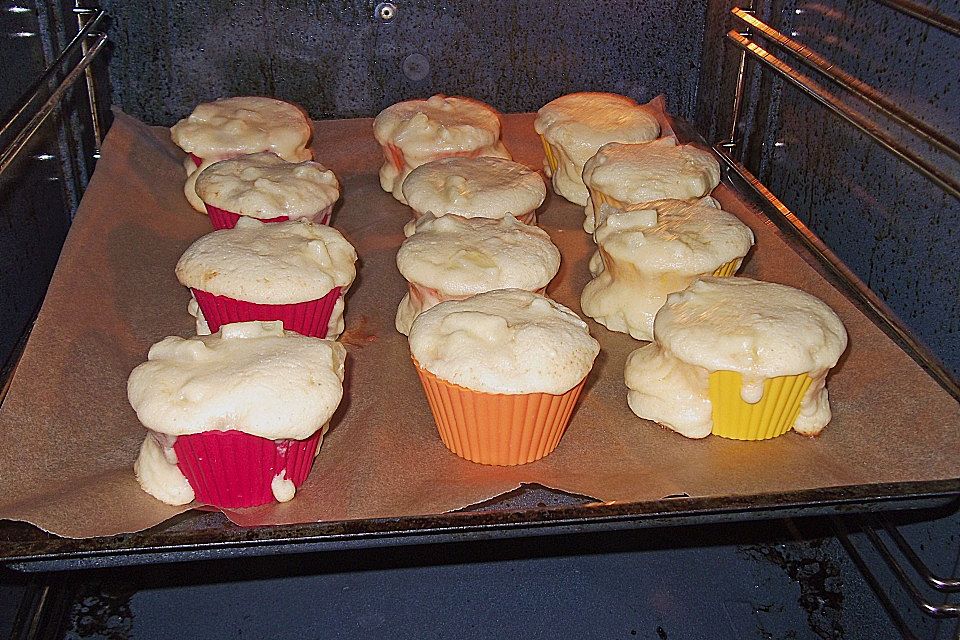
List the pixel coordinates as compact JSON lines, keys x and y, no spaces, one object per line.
{"x":658,"y":170}
{"x":474,"y":187}
{"x":759,"y":329}
{"x":506,"y":341}
{"x":264,"y":185}
{"x":461,"y":256}
{"x":437,"y":125}
{"x":581,"y":123}
{"x":681,"y":237}
{"x":242,"y":125}
{"x":269,"y":263}
{"x":249,"y":376}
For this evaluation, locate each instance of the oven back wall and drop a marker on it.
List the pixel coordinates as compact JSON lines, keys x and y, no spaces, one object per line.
{"x":896,"y":230}
{"x":343,"y":59}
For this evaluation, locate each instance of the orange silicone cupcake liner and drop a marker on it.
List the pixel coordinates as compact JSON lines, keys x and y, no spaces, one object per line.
{"x":497,"y":429}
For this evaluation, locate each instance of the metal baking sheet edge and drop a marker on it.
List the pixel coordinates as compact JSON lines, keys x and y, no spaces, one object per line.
{"x":36,"y":550}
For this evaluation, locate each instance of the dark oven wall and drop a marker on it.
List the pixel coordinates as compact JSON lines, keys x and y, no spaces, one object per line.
{"x":344,"y":59}
{"x":897,"y":230}
{"x":41,"y":187}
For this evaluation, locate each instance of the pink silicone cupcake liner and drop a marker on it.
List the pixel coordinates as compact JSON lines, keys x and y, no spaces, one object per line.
{"x":223,"y":219}
{"x":310,"y":318}
{"x":232,"y":469}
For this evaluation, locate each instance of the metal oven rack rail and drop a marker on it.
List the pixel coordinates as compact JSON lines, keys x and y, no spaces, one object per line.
{"x":914,"y":571}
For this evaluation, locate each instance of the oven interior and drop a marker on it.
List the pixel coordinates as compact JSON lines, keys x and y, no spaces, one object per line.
{"x":846,"y":113}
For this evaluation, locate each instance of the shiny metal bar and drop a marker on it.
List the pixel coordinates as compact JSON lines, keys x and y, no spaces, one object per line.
{"x":20,"y":141}
{"x":946,"y":182}
{"x":947,"y":585}
{"x":876,"y":308}
{"x":37,"y":88}
{"x":932,"y":610}
{"x":731,"y":141}
{"x":924,"y":14}
{"x":83,"y":17}
{"x":854,"y":85}
{"x":863,"y":567}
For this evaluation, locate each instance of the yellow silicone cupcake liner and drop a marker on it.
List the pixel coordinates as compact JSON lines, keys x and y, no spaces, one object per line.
{"x":551,"y":155}
{"x":772,"y":416}
{"x":497,"y":429}
{"x":728,"y":268}
{"x":600,"y":198}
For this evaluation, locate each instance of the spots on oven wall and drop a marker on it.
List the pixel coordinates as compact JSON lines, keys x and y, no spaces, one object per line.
{"x":813,"y":566}
{"x":325,"y":56}
{"x":413,"y":36}
{"x":100,"y":609}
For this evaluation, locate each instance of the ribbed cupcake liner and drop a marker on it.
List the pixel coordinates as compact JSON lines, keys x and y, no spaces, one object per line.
{"x":232,"y":469}
{"x":394,"y":155}
{"x":772,"y":416}
{"x":310,"y":318}
{"x":498,"y":429}
{"x":223,"y":219}
{"x":551,"y":155}
{"x":727,"y":269}
{"x":600,"y":198}
{"x":529,"y":217}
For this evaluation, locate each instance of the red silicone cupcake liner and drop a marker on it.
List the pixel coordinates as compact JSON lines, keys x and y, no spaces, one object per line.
{"x":223,"y":219}
{"x":197,"y":161}
{"x":232,"y":469}
{"x":310,"y":318}
{"x":323,"y":217}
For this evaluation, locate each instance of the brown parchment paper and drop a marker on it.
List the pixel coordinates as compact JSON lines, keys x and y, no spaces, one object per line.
{"x":72,"y":438}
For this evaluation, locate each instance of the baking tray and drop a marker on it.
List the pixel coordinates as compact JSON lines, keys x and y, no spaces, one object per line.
{"x":530,"y":510}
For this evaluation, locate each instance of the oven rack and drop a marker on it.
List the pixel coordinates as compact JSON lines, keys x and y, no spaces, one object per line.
{"x":913,"y":571}
{"x":909,"y":569}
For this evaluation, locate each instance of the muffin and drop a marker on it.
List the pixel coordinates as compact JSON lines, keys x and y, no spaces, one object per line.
{"x":415,"y":132}
{"x":452,"y":258}
{"x":626,"y":176}
{"x":502,"y":372}
{"x":296,"y":272}
{"x":237,"y":126}
{"x":267,"y":187}
{"x":647,"y":254}
{"x":235,"y":418}
{"x":739,"y":358}
{"x":474,"y":188}
{"x":573,"y":127}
